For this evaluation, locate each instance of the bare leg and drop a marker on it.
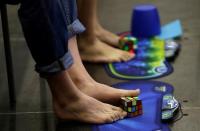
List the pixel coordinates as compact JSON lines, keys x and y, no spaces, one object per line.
{"x":92,"y":19}
{"x":93,"y":43}
{"x":90,"y":87}
{"x":71,"y":104}
{"x":68,"y":101}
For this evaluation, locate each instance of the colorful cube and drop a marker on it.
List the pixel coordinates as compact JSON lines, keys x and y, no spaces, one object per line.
{"x":128,"y":101}
{"x":140,"y":112}
{"x":128,"y":43}
{"x":132,"y":105}
{"x":130,"y":109}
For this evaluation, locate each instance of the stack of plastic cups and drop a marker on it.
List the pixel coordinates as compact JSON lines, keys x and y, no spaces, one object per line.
{"x":145,"y":21}
{"x":157,"y":54}
{"x":146,"y":25}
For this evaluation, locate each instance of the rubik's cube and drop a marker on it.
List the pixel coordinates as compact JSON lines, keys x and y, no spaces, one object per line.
{"x":128,"y":43}
{"x":132,"y":105}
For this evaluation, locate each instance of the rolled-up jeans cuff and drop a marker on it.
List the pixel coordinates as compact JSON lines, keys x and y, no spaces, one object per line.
{"x":61,"y":64}
{"x":75,"y":28}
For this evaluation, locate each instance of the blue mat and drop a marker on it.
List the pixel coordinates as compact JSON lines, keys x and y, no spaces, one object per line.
{"x":128,"y":70}
{"x":152,"y":102}
{"x":140,"y":67}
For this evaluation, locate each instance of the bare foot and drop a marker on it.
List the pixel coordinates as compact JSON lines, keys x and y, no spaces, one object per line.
{"x":106,"y":36}
{"x":88,"y":85}
{"x":89,"y":110}
{"x":105,"y":93}
{"x":94,"y":50}
{"x":71,"y":104}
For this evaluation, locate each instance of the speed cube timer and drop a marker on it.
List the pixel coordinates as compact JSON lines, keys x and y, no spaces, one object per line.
{"x":128,"y":43}
{"x":132,"y":105}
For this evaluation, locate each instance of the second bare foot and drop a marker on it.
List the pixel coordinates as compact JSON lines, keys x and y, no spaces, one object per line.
{"x":105,"y":93}
{"x":106,"y":36}
{"x":95,"y":50}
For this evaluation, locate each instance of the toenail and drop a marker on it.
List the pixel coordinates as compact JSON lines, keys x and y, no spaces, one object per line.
{"x":137,"y":89}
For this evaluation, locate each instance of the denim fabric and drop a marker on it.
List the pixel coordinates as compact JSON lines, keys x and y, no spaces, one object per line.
{"x":47,"y":26}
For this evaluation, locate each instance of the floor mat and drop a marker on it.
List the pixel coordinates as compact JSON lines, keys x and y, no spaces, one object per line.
{"x":141,"y":67}
{"x":151,"y":96}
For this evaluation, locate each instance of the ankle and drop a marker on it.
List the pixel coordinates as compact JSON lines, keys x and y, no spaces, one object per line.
{"x":90,"y":45}
{"x":62,"y":88}
{"x":83,"y":83}
{"x":87,"y":35}
{"x":61,"y":109}
{"x":64,"y":102}
{"x":84,"y":41}
{"x":98,"y":29}
{"x":79,"y":80}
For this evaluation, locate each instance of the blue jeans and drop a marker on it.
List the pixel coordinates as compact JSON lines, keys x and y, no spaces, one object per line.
{"x":47,"y":27}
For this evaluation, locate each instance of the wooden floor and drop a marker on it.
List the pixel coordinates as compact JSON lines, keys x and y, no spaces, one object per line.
{"x":33,"y":111}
